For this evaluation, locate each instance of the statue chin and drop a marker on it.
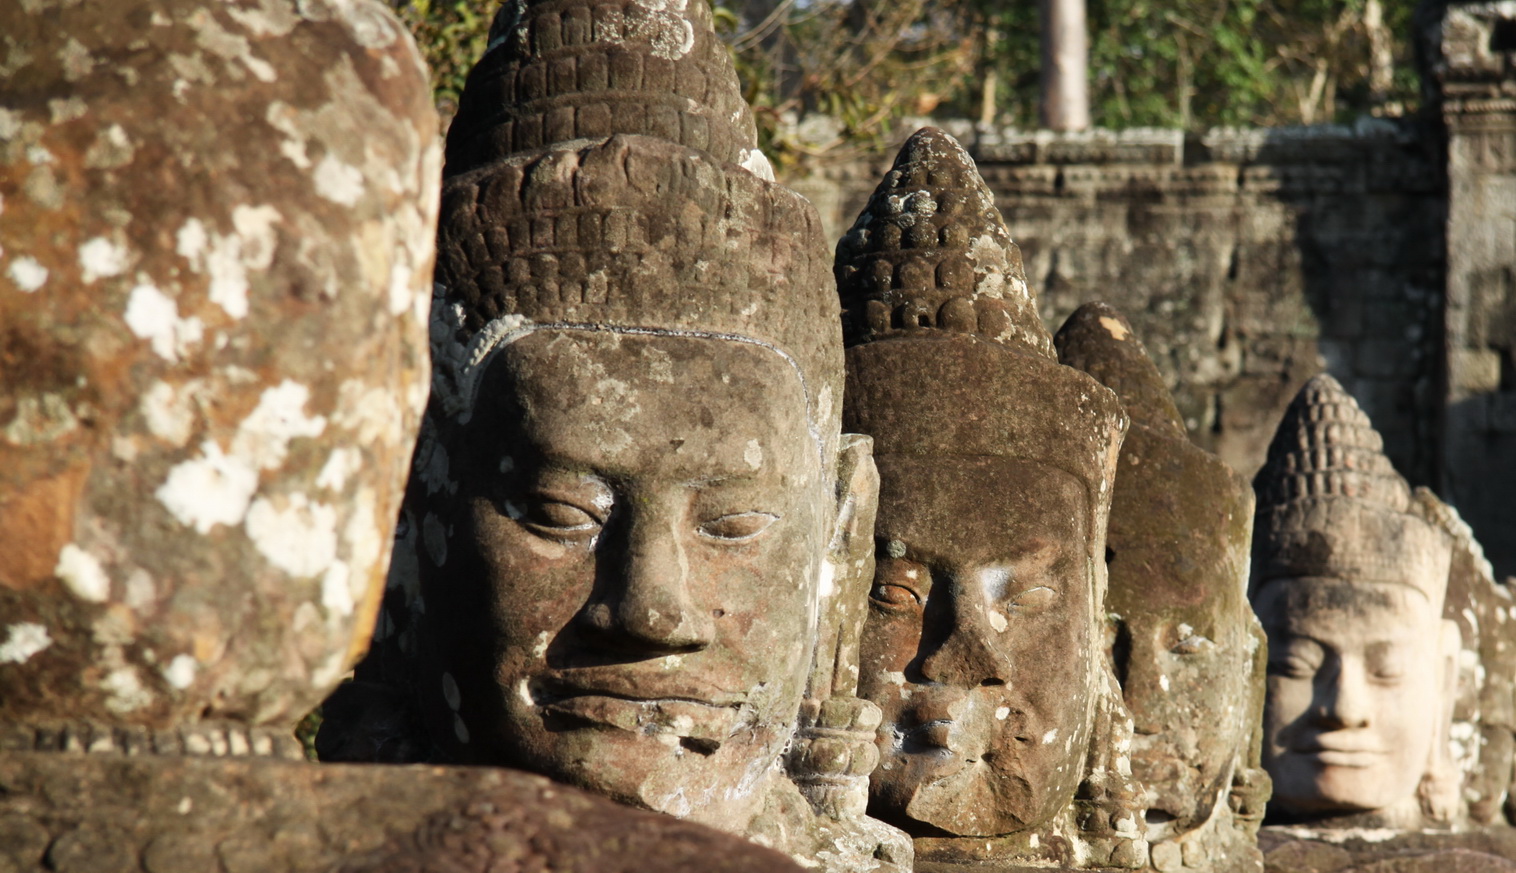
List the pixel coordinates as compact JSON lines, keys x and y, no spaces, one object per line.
{"x":980,"y":799}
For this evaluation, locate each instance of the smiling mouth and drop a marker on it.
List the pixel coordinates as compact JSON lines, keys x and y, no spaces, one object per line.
{"x":697,"y":724}
{"x":1344,"y":755}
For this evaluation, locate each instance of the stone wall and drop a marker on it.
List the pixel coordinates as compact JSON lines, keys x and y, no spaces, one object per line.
{"x":1249,"y":260}
{"x":1474,"y":71}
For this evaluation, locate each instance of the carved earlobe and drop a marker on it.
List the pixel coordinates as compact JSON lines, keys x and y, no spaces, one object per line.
{"x":1440,"y":790}
{"x":834,"y":751}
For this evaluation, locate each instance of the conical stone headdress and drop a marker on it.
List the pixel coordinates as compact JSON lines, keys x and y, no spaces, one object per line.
{"x":603,"y":171}
{"x":947,"y":353}
{"x":1330,"y":503}
{"x":1181,"y":519}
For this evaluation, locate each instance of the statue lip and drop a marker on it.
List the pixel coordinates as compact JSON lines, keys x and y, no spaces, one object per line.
{"x":632,"y":686}
{"x":933,"y":734}
{"x":699,"y":718}
{"x":1339,"y":751}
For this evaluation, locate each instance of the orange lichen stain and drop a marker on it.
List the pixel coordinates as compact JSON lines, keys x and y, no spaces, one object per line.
{"x":1114,"y":327}
{"x":39,"y":518}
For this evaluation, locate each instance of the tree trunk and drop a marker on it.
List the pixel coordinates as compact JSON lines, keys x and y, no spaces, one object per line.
{"x":1065,"y":66}
{"x":1381,"y":54}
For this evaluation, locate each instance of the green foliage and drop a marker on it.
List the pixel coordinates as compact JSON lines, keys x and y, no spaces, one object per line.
{"x":306,"y":731}
{"x":452,"y":36}
{"x":833,"y":76}
{"x":1203,"y":63}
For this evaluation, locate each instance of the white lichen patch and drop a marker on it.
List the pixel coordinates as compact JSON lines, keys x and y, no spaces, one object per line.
{"x":111,"y":149}
{"x":1049,"y":737}
{"x":1002,"y":713}
{"x":28,"y":274}
{"x":299,"y":536}
{"x":826,"y":581}
{"x":401,"y":295}
{"x":22,"y":641}
{"x":255,"y":228}
{"x":263,"y":437}
{"x":170,"y":412}
{"x":997,"y":620}
{"x":82,"y":574}
{"x":339,"y":467}
{"x":227,"y":259}
{"x":190,"y":240}
{"x":125,"y":689}
{"x":336,"y":590}
{"x":757,"y":163}
{"x":669,"y":34}
{"x":753,"y":454}
{"x":211,"y":489}
{"x":338,"y":182}
{"x":40,"y":419}
{"x":180,"y":672}
{"x":140,"y":592}
{"x":100,"y":258}
{"x":229,"y":46}
{"x":369,"y":412}
{"x":365,"y":539}
{"x":153,"y":316}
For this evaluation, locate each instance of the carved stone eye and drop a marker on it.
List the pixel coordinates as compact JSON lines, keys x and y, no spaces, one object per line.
{"x":1193,"y":644}
{"x":558,"y":518}
{"x":892,"y":595}
{"x":739,"y":526}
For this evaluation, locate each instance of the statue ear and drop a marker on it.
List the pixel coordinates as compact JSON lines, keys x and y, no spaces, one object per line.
{"x":847,"y":571}
{"x":857,"y":494}
{"x":1440,"y":792}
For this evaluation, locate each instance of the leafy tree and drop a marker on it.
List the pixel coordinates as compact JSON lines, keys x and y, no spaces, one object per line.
{"x":831,"y":77}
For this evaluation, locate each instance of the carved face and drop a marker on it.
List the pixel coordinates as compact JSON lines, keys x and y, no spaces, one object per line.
{"x":978,"y":643}
{"x":628,"y":594}
{"x":1184,"y":670}
{"x":1353,"y":693}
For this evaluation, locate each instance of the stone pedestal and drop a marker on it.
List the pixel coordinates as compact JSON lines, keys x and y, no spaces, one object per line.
{"x":78,"y":812}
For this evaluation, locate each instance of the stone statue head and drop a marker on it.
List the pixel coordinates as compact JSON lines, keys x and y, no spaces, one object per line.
{"x":1188,"y":651}
{"x":627,"y":484}
{"x":1349,"y":582}
{"x":984,"y":641}
{"x":214,"y":354}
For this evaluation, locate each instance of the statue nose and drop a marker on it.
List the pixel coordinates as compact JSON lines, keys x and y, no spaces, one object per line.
{"x":1344,"y":699}
{"x":648,"y":603}
{"x":970,"y":654}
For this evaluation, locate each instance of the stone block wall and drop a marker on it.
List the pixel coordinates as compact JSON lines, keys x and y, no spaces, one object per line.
{"x":1248,"y":261}
{"x":1473,"y":71}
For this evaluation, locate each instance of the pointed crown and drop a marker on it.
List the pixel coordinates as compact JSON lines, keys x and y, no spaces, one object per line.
{"x":948,"y":355}
{"x":930,"y":250}
{"x":1100,"y":341}
{"x":1331,"y":504}
{"x":602,"y":171}
{"x":560,"y":70}
{"x":1181,"y":518}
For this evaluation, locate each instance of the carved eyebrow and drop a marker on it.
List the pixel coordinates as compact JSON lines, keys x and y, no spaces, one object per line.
{"x":1038,"y":554}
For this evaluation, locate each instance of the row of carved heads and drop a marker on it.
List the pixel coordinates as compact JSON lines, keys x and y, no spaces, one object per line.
{"x":920,"y":580}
